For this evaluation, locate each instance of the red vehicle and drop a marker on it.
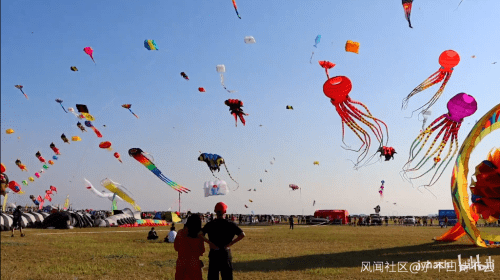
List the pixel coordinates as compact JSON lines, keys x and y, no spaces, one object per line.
{"x":340,"y":216}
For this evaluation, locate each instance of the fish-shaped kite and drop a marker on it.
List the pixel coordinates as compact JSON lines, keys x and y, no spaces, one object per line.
{"x":140,"y":156}
{"x":316,"y":41}
{"x":90,"y":52}
{"x":128,"y":106}
{"x":119,"y":191}
{"x":20,"y":87}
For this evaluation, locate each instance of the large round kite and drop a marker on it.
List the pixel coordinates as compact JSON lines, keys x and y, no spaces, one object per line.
{"x":467,"y":216}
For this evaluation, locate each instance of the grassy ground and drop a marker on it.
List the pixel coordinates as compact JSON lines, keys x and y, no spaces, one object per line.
{"x":268,"y":252}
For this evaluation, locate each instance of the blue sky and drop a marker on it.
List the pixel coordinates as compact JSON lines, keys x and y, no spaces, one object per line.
{"x":41,"y":40}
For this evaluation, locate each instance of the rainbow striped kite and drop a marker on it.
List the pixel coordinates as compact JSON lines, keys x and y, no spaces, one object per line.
{"x":140,"y":156}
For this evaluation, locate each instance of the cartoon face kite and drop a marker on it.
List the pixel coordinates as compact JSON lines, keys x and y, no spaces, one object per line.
{"x":39,"y":157}
{"x":337,"y":89}
{"x":141,"y":157}
{"x":236,"y":110}
{"x":460,"y":106}
{"x":448,"y":59}
{"x":21,"y":166}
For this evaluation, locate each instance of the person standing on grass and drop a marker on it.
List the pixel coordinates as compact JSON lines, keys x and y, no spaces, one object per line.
{"x":291,"y":222}
{"x":190,"y":248}
{"x":17,"y":220}
{"x":221,"y":235}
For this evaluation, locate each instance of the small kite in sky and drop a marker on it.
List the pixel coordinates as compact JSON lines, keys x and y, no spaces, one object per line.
{"x":76,"y":138}
{"x":20,"y":87}
{"x":150,"y":45}
{"x":460,"y":106}
{"x":39,"y":157}
{"x":316,"y":41}
{"x":117,"y":156}
{"x":9,"y":131}
{"x":236,"y":8}
{"x":407,"y":6}
{"x":200,"y":89}
{"x":142,"y":157}
{"x":128,"y":106}
{"x":73,"y":68}
{"x":90,"y":52}
{"x":222,"y":69}
{"x":97,"y":132}
{"x":60,"y":103}
{"x":184,"y":76}
{"x":387,"y":152}
{"x":236,"y":110}
{"x":55,"y":149}
{"x":21,"y":166}
{"x":351,"y":46}
{"x":448,"y":59}
{"x":249,"y":40}
{"x":81,"y":127}
{"x":289,"y":107}
{"x":63,"y":137}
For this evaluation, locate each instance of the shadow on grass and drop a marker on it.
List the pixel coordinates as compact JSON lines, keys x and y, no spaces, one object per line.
{"x":424,"y":252}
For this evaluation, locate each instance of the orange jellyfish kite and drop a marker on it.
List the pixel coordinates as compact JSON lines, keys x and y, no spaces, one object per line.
{"x":448,"y":59}
{"x":337,"y":89}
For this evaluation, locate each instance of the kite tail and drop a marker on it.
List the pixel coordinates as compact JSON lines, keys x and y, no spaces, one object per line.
{"x":214,"y":174}
{"x":231,"y":176}
{"x":169,"y":182}
{"x":133,"y":113}
{"x":97,"y":132}
{"x":24,"y":94}
{"x":63,"y":108}
{"x":435,"y":78}
{"x":310,"y":60}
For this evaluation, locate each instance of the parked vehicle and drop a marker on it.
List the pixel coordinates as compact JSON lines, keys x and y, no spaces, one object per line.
{"x":409,"y":220}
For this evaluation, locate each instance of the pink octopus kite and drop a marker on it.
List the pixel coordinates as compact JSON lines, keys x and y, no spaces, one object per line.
{"x":460,"y":106}
{"x":337,"y":89}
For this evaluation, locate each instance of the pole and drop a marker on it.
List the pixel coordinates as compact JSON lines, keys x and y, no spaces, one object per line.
{"x":179,"y":202}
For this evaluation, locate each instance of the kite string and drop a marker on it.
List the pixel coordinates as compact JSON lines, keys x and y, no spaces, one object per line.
{"x":231,"y":176}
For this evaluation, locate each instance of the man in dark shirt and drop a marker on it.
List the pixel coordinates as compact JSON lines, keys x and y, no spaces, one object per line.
{"x":220,"y":238}
{"x":290,"y":219}
{"x":152,"y":235}
{"x":17,"y":220}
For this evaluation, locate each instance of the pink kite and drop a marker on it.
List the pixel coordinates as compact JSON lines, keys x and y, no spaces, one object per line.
{"x":90,"y":52}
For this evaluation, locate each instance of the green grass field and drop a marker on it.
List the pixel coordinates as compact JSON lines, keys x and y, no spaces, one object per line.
{"x":267,"y":252}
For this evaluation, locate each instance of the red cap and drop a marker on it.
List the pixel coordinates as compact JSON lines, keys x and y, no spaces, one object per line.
{"x":220,"y":207}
